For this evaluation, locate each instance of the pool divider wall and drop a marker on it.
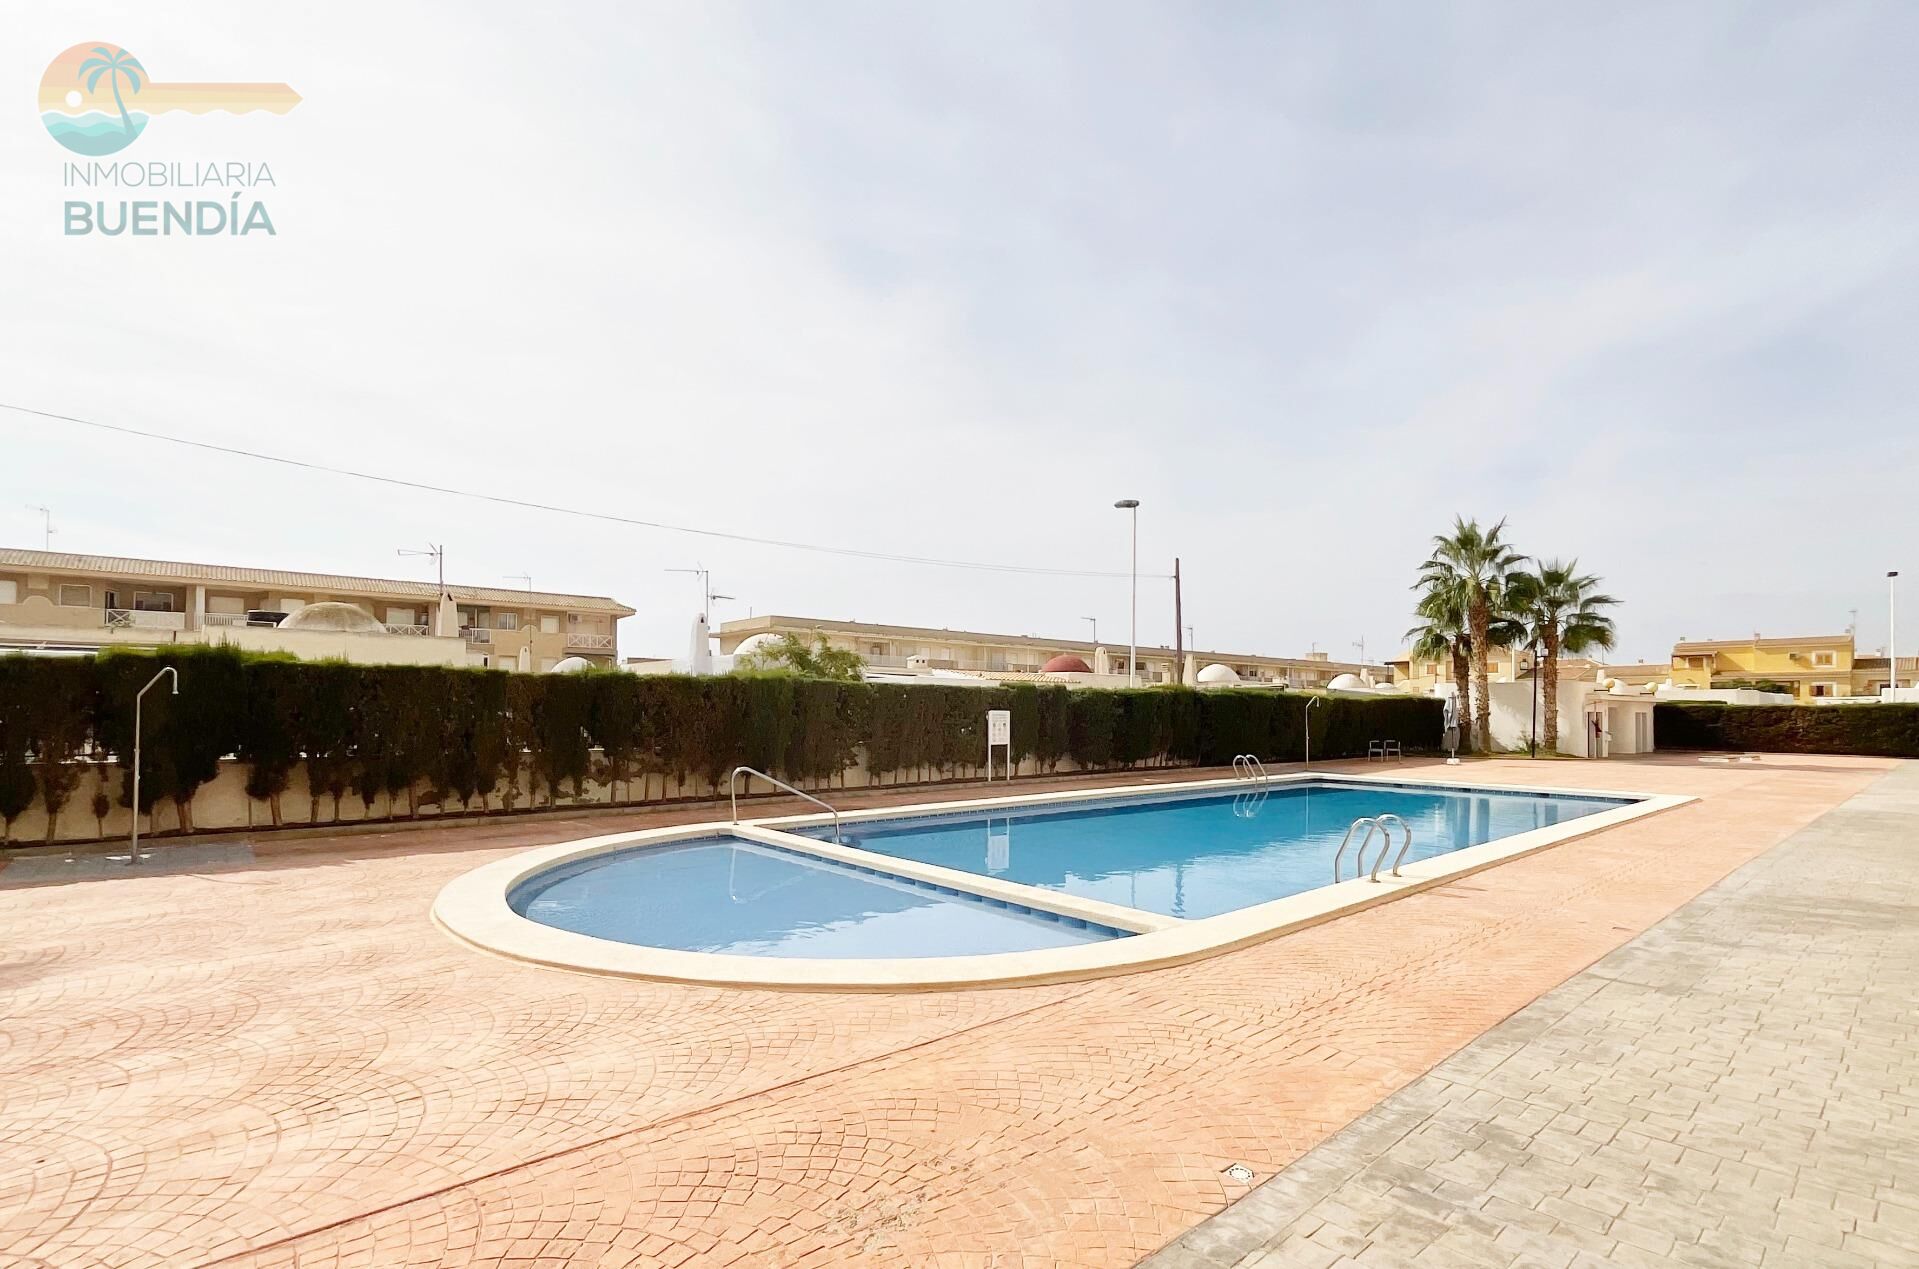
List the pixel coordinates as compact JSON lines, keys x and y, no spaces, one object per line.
{"x":473,"y":908}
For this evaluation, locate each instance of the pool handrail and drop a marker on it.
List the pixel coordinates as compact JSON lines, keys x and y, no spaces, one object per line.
{"x":1372,"y":826}
{"x":733,"y":791}
{"x":1386,"y":832}
{"x":1247,"y":766}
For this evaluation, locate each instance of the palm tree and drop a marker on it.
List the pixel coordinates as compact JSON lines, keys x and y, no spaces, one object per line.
{"x":1560,"y":611}
{"x":114,"y":64}
{"x":1477,"y":564}
{"x":1442,"y":636}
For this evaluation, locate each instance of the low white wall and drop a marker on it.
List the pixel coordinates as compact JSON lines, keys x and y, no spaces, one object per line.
{"x":1512,"y":715}
{"x":223,"y":804}
{"x":341,"y":645}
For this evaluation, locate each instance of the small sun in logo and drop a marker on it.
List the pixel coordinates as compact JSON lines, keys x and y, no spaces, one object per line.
{"x":96,"y":98}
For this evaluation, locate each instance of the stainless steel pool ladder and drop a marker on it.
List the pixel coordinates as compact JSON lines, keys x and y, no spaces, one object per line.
{"x":1247,"y":766}
{"x":1382,"y":825}
{"x":733,"y":789}
{"x":1372,"y":826}
{"x":1386,"y":823}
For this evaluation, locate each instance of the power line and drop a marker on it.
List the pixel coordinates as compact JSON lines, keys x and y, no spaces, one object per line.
{"x":555,"y":509}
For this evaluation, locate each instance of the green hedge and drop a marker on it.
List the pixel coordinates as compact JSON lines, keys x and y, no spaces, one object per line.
{"x":1879,"y":730}
{"x":399,"y":736}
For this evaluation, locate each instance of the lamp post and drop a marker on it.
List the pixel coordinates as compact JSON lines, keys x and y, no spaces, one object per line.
{"x":1892,"y":628}
{"x":1132,"y":651}
{"x":133,"y":851}
{"x":1532,"y":744}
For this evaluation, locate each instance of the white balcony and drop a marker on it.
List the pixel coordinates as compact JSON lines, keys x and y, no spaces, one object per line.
{"x":589,"y":642}
{"x":223,"y":619}
{"x":142,"y":619}
{"x":395,"y":628}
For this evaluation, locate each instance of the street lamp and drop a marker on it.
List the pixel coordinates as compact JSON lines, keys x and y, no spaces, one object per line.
{"x":1132,"y":651}
{"x":133,"y":852}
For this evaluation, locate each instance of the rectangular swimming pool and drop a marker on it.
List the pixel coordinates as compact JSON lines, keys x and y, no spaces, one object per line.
{"x":726,"y":894}
{"x":1199,"y":856}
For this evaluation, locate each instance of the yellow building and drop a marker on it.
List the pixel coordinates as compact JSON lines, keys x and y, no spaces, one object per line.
{"x":52,"y":599}
{"x":1808,"y":667}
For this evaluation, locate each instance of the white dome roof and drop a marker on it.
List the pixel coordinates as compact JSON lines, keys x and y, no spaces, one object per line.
{"x":333,"y":616}
{"x":571,"y":665}
{"x":1217,"y":673}
{"x":761,"y":642}
{"x":1388,"y":689}
{"x":1346,"y":683}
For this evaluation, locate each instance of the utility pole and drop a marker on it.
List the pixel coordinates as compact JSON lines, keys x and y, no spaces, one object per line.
{"x":1179,"y":629}
{"x":1131,"y":505}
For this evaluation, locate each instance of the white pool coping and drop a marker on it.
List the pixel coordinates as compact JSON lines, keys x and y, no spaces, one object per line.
{"x":473,"y":908}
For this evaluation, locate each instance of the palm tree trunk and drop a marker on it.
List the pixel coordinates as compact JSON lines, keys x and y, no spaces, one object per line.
{"x":1552,"y":692}
{"x":1480,"y":619}
{"x":126,"y":120}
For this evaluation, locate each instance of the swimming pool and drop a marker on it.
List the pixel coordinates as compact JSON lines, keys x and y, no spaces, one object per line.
{"x":727,"y":895}
{"x":999,"y":891}
{"x":1195,"y":857}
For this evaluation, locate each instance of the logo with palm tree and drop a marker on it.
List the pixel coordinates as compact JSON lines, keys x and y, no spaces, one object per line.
{"x":96,"y":98}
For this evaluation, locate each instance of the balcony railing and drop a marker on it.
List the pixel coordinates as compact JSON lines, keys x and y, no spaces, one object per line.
{"x":592,"y":642}
{"x":142,"y":619}
{"x":223,"y":619}
{"x":476,"y":634}
{"x":400,"y":628}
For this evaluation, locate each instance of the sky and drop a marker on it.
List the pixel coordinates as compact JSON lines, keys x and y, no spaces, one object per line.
{"x":946,"y":281}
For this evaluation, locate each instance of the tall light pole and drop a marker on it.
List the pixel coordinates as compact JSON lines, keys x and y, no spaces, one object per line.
{"x":1132,"y":650}
{"x":133,"y":852}
{"x":1892,"y":628}
{"x":1095,"y":625}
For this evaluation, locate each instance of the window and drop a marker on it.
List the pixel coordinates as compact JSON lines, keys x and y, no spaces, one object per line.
{"x":152,"y":601}
{"x":9,"y":591}
{"x":509,"y":621}
{"x":549,"y":623}
{"x":76,"y":596}
{"x":1823,"y":689}
{"x":1822,"y":658}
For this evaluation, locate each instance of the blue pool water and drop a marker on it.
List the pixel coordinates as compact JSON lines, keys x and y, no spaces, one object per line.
{"x":723,"y":894}
{"x":1201,"y":856}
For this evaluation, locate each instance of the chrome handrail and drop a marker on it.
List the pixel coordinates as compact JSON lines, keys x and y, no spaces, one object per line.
{"x":1385,"y":823}
{"x":733,"y":790}
{"x":1372,"y":826}
{"x":1247,"y":766}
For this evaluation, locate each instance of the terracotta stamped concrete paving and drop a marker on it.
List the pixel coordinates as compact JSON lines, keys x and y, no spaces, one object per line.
{"x":1737,"y":1086}
{"x":287,"y":1065}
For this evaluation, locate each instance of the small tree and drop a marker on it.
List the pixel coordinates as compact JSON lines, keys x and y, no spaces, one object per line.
{"x":818,"y":660}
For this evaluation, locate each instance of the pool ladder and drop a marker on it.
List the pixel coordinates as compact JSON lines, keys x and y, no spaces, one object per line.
{"x":1382,"y":825}
{"x":1248,"y":767}
{"x":733,"y":790}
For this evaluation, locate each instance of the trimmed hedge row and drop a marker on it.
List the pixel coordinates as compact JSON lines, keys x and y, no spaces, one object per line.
{"x":413,"y":734}
{"x":1877,"y":730}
